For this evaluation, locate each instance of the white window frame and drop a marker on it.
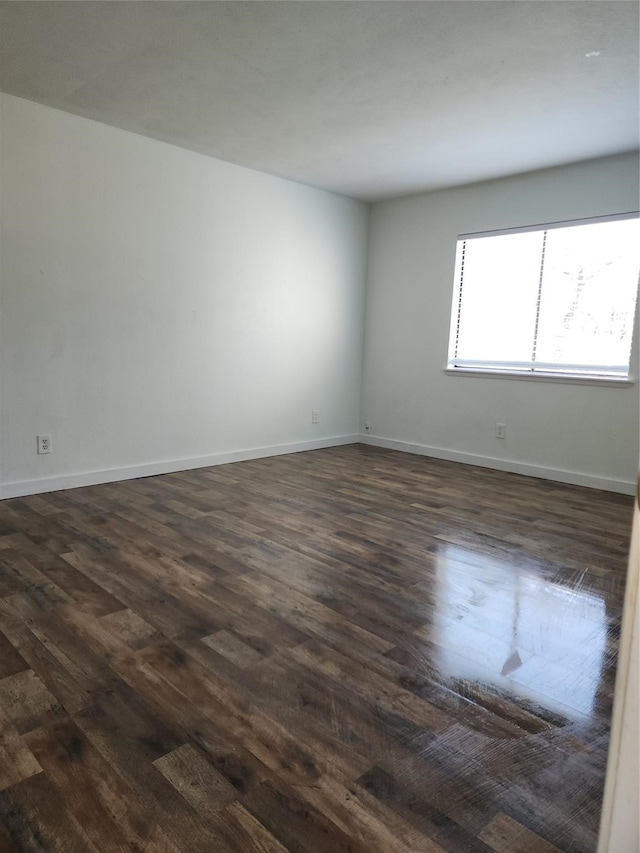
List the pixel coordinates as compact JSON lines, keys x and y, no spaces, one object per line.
{"x":524,"y":370}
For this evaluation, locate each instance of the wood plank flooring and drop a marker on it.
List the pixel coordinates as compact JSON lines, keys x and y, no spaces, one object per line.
{"x":348,"y":649}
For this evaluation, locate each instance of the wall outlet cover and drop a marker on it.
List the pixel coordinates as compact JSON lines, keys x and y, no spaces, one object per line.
{"x":44,"y":444}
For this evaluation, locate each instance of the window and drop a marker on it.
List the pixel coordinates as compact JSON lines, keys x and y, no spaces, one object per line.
{"x":552,"y":300}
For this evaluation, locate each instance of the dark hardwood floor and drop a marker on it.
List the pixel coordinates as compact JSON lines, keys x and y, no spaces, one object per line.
{"x":343,"y":650}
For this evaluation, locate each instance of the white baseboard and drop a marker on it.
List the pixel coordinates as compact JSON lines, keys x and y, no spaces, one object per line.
{"x":150,"y":469}
{"x":575,"y":478}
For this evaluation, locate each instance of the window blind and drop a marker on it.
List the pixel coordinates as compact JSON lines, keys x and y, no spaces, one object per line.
{"x":558,"y":299}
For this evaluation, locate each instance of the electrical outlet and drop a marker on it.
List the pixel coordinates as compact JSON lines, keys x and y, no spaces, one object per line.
{"x":315,"y":416}
{"x":501,"y":430}
{"x":44,"y":444}
{"x":367,"y":426}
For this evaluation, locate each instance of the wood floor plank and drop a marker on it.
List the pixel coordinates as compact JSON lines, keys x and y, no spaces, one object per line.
{"x":10,"y":659}
{"x":98,"y":798}
{"x":194,"y":777}
{"x":131,"y":628}
{"x":420,"y":812}
{"x":247,"y":834}
{"x":69,"y":690}
{"x":232,"y":647}
{"x":37,"y":818}
{"x":17,"y":761}
{"x":505,"y":835}
{"x":348,"y":649}
{"x":27,"y":702}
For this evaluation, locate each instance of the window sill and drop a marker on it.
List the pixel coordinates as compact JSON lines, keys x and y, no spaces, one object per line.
{"x":563,"y":378}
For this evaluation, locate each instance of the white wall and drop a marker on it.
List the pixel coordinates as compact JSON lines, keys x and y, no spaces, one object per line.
{"x":583,"y":434}
{"x":158,"y":305}
{"x":159,"y":308}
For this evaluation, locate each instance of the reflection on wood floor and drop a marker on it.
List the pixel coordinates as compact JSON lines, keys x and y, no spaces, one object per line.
{"x":343,"y":650}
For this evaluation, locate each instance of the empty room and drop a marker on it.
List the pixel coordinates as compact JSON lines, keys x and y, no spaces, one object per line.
{"x":319,"y":426}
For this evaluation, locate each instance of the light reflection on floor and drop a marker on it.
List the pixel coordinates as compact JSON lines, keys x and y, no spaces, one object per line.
{"x":508,"y":628}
